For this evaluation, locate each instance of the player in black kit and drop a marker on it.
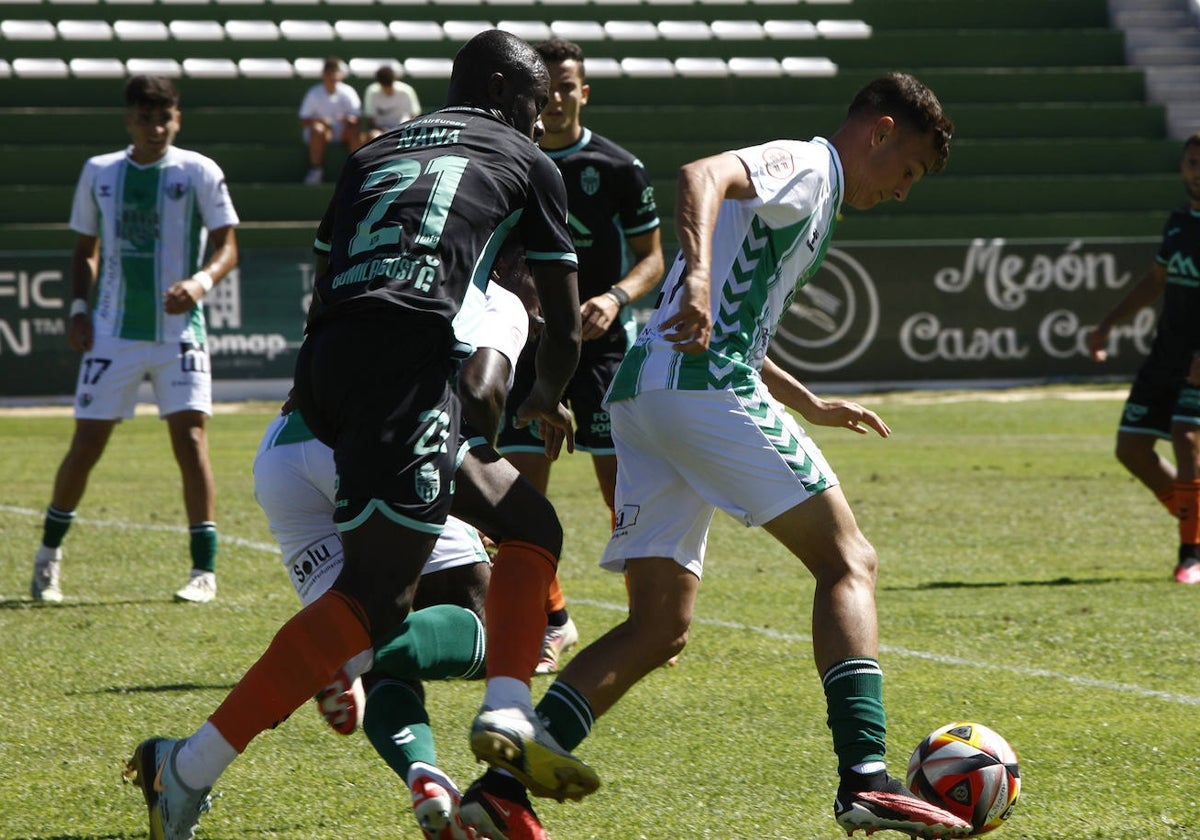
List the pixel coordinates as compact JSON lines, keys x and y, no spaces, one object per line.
{"x":1164,"y":401}
{"x":403,"y":250}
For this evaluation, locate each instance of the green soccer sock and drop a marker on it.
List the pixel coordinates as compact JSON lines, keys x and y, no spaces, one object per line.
{"x":397,"y":726}
{"x":203,"y":538}
{"x":441,"y":642}
{"x":55,"y":526}
{"x":567,"y":714}
{"x":854,"y":696}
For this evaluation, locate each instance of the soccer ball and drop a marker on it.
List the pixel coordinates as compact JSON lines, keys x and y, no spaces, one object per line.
{"x":970,"y":771}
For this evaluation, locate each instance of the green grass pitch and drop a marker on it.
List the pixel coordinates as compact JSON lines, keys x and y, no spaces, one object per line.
{"x":1025,"y":582}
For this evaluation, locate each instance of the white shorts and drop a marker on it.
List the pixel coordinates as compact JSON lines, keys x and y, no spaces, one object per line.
{"x":110,"y":373}
{"x":683,"y":454}
{"x":294,"y":485}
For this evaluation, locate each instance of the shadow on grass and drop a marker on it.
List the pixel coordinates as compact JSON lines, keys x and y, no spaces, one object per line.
{"x":151,"y":689}
{"x":1004,"y":584}
{"x":24,"y":602}
{"x":118,"y":836}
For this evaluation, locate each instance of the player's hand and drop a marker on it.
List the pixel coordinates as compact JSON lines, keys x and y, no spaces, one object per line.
{"x":847,"y":415}
{"x":80,"y":332}
{"x":182,"y":296}
{"x":1097,"y":341}
{"x":555,"y":423}
{"x":690,"y":329}
{"x":597,"y":315}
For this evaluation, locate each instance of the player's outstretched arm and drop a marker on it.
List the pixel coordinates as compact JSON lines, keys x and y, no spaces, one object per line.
{"x":185,"y":294}
{"x":557,"y":355}
{"x":844,"y":414}
{"x":1144,"y":293}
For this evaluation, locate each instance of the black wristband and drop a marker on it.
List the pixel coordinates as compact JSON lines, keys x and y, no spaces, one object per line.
{"x":619,"y":295}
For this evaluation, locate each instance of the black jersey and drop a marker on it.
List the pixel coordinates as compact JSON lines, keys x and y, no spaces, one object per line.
{"x":610,"y":198}
{"x":419,"y":214}
{"x":1178,"y":332}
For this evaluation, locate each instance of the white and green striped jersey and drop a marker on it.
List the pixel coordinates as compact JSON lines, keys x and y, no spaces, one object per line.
{"x":763,"y":250}
{"x":153,"y":224}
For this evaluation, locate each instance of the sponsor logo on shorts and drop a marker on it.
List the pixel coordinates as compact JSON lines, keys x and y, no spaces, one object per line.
{"x":1134,"y":412}
{"x":626,"y":518}
{"x":428,"y":483}
{"x":85,"y":399}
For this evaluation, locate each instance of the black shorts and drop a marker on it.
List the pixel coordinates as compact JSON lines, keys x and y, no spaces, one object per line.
{"x":376,"y":390}
{"x":584,"y":395}
{"x":1154,"y":399}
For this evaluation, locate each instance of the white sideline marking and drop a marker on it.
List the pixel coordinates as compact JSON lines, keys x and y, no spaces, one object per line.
{"x":794,"y":638}
{"x":272,"y":548}
{"x":942,"y":659}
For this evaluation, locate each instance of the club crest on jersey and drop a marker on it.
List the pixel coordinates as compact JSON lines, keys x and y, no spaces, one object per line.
{"x":85,"y":399}
{"x":778,"y":162}
{"x":176,"y":190}
{"x":589,"y":180}
{"x":428,"y":483}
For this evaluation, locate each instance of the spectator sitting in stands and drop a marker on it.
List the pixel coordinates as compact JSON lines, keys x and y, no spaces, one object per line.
{"x":387,"y":103}
{"x":329,"y":114}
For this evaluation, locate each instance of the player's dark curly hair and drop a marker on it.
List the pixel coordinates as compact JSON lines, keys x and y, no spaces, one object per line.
{"x":150,"y":92}
{"x":558,"y":50}
{"x":906,"y":100}
{"x":491,"y":51}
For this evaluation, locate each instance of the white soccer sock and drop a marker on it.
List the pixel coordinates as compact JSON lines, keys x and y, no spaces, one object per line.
{"x":508,"y":693}
{"x":203,"y":758}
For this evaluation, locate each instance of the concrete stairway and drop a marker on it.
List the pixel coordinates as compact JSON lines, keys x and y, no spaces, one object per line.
{"x":1163,"y":38}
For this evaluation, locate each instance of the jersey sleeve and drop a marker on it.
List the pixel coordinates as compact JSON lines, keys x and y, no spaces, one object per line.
{"x":216,"y":206}
{"x":543,"y":223}
{"x":85,"y":215}
{"x":638,"y":209}
{"x":787,"y":179}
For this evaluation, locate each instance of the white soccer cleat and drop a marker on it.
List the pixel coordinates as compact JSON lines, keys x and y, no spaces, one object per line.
{"x":44,"y":586}
{"x":554,"y":643}
{"x":517,"y":742}
{"x":174,"y":808}
{"x":435,"y":802}
{"x":200,"y":588}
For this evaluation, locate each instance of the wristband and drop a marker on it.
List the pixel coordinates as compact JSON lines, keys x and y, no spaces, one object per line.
{"x":619,"y":295}
{"x":79,"y":306}
{"x":204,"y":279}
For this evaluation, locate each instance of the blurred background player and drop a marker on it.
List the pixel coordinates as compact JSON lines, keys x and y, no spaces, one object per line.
{"x":143,"y":218}
{"x":1164,"y":400}
{"x":387,"y":102}
{"x":615,"y":227}
{"x":329,"y":114}
{"x":403,"y":251}
{"x":698,"y":425}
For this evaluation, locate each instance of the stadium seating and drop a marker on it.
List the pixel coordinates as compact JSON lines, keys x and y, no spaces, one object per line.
{"x":1054,"y":134}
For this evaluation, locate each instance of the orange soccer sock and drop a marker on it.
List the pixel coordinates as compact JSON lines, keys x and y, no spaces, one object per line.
{"x":1187,"y":508}
{"x":303,"y":656}
{"x":1167,"y":499}
{"x":555,"y":600}
{"x":516,"y":618}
